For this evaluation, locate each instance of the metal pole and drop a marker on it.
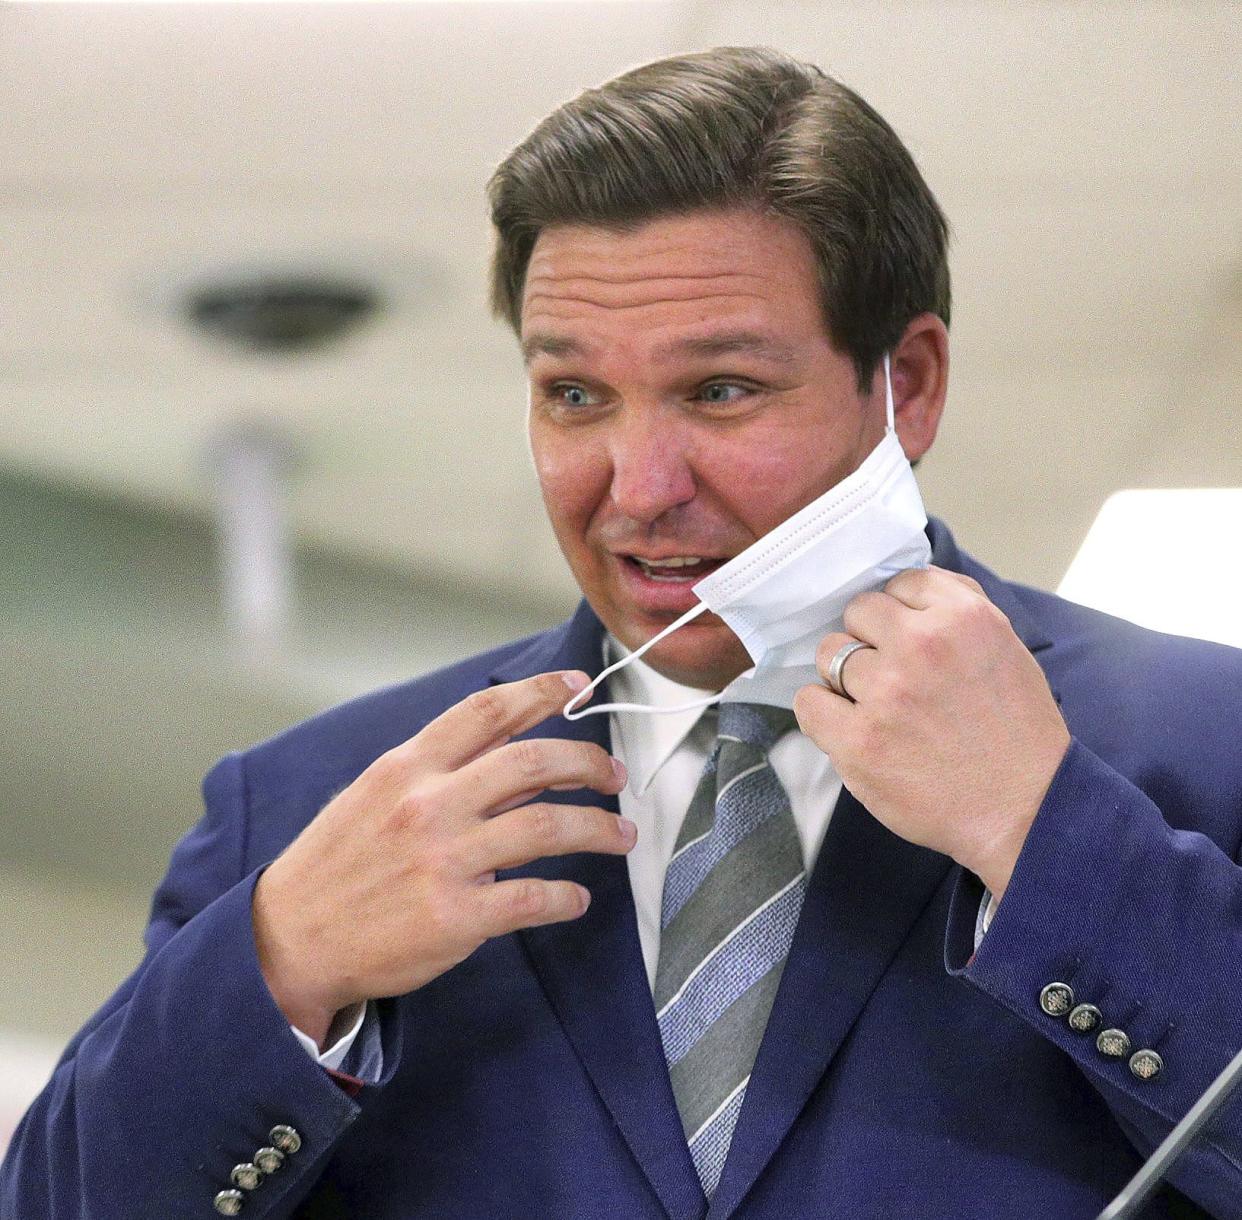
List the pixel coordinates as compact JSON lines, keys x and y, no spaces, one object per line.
{"x":1139,"y":1187}
{"x":249,"y":463}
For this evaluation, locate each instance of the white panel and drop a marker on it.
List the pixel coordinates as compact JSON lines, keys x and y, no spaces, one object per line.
{"x":1165,"y":559}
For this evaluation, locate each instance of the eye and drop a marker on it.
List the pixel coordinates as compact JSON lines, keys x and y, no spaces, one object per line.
{"x":723,"y":392}
{"x":569,"y":395}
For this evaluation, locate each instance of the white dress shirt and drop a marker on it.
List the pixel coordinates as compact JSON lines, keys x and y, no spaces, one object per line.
{"x":338,"y":1048}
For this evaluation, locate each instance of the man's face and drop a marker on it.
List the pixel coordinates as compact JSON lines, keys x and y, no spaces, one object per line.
{"x":685,"y":398}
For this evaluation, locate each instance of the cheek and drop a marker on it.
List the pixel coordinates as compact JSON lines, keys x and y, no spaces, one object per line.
{"x":573,"y":480}
{"x":766,"y":478}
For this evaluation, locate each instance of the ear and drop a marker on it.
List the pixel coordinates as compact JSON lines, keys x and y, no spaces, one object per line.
{"x":920,"y":382}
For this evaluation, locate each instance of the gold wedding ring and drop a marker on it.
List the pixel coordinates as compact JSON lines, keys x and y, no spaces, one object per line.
{"x":837,"y":664}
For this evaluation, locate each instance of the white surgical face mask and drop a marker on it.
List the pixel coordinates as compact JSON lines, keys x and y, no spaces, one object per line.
{"x":789,"y":589}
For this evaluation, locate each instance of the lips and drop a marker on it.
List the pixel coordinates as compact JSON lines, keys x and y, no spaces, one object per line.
{"x":675,"y":568}
{"x":661,"y":585}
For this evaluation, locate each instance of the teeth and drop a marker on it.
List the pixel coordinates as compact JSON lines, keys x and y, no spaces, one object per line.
{"x":671,"y":569}
{"x":675,"y":561}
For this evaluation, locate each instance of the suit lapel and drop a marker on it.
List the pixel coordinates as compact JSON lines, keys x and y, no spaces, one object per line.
{"x":866,"y":892}
{"x":592,"y":968}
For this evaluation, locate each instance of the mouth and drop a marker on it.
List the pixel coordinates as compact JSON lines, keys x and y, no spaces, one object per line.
{"x":674,"y":569}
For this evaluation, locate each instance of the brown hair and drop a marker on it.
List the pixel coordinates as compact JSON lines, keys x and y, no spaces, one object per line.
{"x":737,"y":127}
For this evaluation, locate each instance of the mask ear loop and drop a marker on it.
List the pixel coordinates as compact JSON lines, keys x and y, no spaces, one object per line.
{"x":888,"y":393}
{"x":576,"y":714}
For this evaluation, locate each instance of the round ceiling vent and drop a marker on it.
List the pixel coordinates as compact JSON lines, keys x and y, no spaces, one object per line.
{"x":281,"y":312}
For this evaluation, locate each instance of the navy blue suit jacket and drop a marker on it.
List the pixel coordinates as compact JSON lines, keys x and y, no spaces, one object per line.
{"x":899,"y":1076}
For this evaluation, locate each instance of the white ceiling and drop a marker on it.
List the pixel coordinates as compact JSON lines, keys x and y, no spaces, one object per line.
{"x":1089,"y":156}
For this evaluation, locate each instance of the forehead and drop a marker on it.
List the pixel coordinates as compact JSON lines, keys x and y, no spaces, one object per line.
{"x":690,"y":274}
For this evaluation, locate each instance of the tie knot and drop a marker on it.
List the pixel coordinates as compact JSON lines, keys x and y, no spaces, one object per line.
{"x":756,"y":724}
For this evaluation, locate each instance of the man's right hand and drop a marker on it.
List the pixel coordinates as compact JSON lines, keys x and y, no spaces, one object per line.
{"x":394,"y":882}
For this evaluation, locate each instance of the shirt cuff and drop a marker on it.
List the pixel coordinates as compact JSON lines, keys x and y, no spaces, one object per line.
{"x":334,"y":1056}
{"x":987,"y":909}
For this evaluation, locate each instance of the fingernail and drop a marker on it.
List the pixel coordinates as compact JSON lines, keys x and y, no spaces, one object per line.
{"x":618,"y":769}
{"x":586,"y":897}
{"x":575,"y":680}
{"x":629,"y":831}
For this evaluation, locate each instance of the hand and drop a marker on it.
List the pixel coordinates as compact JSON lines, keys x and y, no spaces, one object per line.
{"x":954,"y":736}
{"x":394,"y":882}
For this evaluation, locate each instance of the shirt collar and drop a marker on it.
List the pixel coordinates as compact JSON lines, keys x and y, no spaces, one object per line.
{"x":647,"y":741}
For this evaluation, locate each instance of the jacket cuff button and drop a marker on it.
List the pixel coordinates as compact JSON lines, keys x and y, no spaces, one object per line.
{"x":1084,"y":1018}
{"x":1145,"y":1064}
{"x":247,"y":1175}
{"x":285,"y":1138}
{"x":269,"y":1159}
{"x":229,"y":1202}
{"x":1056,"y":999}
{"x":1115,"y":1043}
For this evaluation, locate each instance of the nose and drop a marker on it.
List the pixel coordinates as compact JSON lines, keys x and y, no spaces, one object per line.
{"x":651,"y":470}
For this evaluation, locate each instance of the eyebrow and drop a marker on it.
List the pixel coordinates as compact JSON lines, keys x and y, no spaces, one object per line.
{"x":549,"y":345}
{"x":742,"y":342}
{"x":728,"y":343}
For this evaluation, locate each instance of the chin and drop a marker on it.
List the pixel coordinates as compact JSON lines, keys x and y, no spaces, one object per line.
{"x":708,"y":659}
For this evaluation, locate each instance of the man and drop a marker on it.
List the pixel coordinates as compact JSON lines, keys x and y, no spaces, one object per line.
{"x":1002,"y":957}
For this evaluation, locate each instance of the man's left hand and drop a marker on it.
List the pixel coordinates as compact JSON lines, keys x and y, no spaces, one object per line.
{"x":953,"y":736}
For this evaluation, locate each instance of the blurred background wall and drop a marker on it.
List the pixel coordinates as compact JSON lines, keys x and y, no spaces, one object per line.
{"x":1089,"y":156}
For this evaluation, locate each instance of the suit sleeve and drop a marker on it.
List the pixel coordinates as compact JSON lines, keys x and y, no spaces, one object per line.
{"x":186,"y":1069}
{"x":1144,"y":922}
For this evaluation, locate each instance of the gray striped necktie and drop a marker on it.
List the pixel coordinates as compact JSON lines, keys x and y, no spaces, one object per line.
{"x":732,"y":895}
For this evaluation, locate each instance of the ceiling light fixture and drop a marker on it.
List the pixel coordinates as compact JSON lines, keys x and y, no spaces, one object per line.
{"x":280,"y":311}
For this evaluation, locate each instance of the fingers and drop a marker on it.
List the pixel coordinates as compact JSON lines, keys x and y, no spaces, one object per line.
{"x":968,"y":582}
{"x":853,"y":672}
{"x":526,"y":902}
{"x":503,"y":777}
{"x":539,"y":830}
{"x":492,"y":716}
{"x":870,"y":616}
{"x":531,"y":833}
{"x":921,"y":588}
{"x":822,"y":715}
